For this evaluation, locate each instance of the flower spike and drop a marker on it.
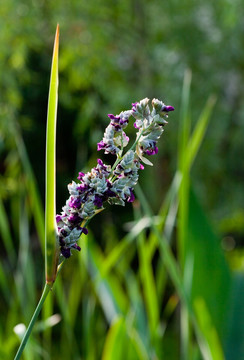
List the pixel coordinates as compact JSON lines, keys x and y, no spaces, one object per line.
{"x":113,"y":185}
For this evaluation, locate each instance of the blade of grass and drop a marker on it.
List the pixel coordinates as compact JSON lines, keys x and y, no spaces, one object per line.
{"x":122,"y":342}
{"x":74,"y":297}
{"x":138,"y":345}
{"x":109,"y":290}
{"x":138,"y":319}
{"x":184,"y":134}
{"x":119,"y":250}
{"x":51,"y":244}
{"x":69,"y":346}
{"x":167,"y":213}
{"x":148,"y":286}
{"x":115,"y":341}
{"x":89,"y":323}
{"x":199,"y":131}
{"x":175,"y":275}
{"x":208,"y":329}
{"x":210,"y":275}
{"x":185,"y":122}
{"x":188,"y":148}
{"x":147,"y":280}
{"x":6,"y":235}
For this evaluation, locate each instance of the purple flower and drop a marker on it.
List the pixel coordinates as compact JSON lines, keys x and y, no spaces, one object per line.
{"x":84,"y":230}
{"x":101,"y":145}
{"x":82,"y":188}
{"x":65,"y":251}
{"x":112,"y":117}
{"x":61,"y":241}
{"x":102,"y":168}
{"x":108,"y":193}
{"x":63,"y":233}
{"x":118,"y":122}
{"x":76,"y":247}
{"x":81,"y":174}
{"x":58,"y":218}
{"x":152,"y":151}
{"x":168,"y":108}
{"x":100,"y":162}
{"x":75,"y":219}
{"x":98,"y":201}
{"x":131,"y":198}
{"x":75,"y":203}
{"x":134,"y":106}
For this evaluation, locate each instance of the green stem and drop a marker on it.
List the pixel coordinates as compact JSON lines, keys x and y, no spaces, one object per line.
{"x":45,"y":292}
{"x":116,"y":163}
{"x":135,"y":143}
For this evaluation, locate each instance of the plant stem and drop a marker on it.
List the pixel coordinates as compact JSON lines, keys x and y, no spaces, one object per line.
{"x":45,"y":292}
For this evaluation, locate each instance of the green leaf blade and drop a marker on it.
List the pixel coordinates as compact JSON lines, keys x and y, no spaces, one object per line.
{"x":51,"y":245}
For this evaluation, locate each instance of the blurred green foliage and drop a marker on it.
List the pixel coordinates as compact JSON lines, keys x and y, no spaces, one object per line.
{"x":113,"y":53}
{"x":116,"y":52}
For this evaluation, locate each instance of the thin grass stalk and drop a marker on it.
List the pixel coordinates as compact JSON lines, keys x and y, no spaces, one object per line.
{"x":6,"y":234}
{"x":32,"y":322}
{"x":184,"y":135}
{"x":147,"y":281}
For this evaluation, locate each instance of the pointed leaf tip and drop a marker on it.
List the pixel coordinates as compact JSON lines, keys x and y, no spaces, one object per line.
{"x":56,"y":42}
